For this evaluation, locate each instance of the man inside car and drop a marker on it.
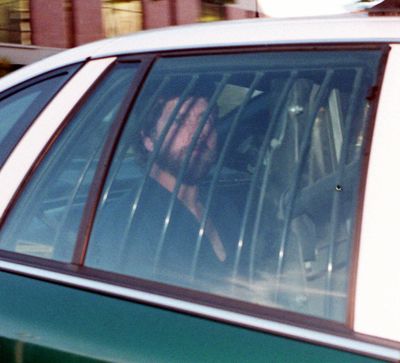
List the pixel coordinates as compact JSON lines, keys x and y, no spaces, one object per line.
{"x":164,"y":228}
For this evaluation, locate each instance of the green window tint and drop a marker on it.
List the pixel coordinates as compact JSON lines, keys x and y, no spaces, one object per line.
{"x":51,"y":205}
{"x":19,"y":109}
{"x":238,"y":175}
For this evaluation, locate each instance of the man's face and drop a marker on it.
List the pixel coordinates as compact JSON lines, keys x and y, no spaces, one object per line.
{"x":179,"y":138}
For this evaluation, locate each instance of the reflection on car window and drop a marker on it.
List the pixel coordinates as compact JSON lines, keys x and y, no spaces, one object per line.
{"x":238,"y":175}
{"x":19,"y":109}
{"x":51,"y":205}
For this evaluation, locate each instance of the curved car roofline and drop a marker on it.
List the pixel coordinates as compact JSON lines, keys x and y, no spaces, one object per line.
{"x":249,"y":32}
{"x":266,"y":31}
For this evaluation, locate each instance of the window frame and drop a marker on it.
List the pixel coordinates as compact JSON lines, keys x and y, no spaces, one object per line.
{"x":198,"y":303}
{"x":104,"y":94}
{"x":17,"y":131}
{"x":50,"y":122}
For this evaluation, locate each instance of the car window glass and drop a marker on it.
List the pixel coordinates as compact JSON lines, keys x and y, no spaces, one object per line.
{"x":252,"y":196}
{"x":51,"y":205}
{"x":20,"y":108}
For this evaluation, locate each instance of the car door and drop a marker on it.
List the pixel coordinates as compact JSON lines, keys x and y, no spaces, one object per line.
{"x":92,"y":271}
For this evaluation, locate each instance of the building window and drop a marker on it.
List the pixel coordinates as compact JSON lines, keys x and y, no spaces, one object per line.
{"x":213,"y":10}
{"x":15,"y":21}
{"x":121,"y":16}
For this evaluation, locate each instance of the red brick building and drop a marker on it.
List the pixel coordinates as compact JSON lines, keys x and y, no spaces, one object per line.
{"x":68,"y":23}
{"x":33,"y":29}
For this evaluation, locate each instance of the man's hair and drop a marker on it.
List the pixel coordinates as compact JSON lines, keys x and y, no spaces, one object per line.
{"x":172,"y":90}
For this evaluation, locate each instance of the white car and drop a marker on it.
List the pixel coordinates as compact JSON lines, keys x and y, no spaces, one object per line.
{"x":218,"y":192}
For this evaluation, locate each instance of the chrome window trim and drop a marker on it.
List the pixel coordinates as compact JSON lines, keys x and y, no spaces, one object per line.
{"x":378,"y":276}
{"x":304,"y":334}
{"x":38,"y":135}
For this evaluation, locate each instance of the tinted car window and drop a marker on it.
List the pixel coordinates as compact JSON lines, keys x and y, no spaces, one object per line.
{"x":239,"y":175}
{"x":51,"y":205}
{"x":19,"y":108}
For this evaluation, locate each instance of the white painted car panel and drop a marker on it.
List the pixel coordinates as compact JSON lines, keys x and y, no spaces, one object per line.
{"x":264,"y":32}
{"x":349,"y":29}
{"x":377,"y":309}
{"x":71,"y":56}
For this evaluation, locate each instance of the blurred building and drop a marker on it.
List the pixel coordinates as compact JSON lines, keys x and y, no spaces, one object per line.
{"x":33,"y":29}
{"x":387,"y":8}
{"x":67,"y":23}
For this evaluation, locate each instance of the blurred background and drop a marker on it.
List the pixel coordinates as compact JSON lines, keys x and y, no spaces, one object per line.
{"x":34,"y":29}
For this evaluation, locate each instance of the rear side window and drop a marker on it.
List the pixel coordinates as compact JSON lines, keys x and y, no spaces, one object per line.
{"x":239,"y":175}
{"x":51,"y":205}
{"x":19,"y":108}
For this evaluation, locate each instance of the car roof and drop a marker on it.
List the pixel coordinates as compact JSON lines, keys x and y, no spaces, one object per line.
{"x":266,"y":31}
{"x":261,"y":31}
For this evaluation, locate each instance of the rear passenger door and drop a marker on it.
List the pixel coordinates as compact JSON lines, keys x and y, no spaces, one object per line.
{"x":281,"y":192}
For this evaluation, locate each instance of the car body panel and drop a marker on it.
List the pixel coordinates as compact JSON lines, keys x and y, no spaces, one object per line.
{"x":265,"y":32}
{"x":377,"y":303}
{"x":262,"y":32}
{"x":89,"y":287}
{"x":111,"y":329}
{"x":105,"y":322}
